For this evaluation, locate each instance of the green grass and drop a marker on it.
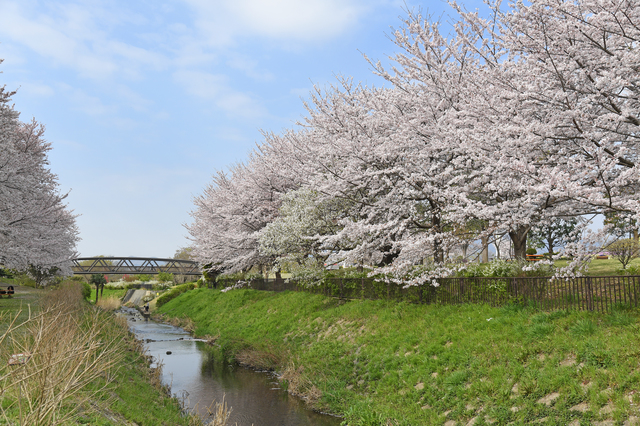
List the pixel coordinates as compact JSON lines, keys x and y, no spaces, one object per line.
{"x":23,"y":298}
{"x":380,"y":361}
{"x":118,"y":293}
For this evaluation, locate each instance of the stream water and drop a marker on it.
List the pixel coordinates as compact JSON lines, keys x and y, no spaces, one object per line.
{"x":198,"y":379}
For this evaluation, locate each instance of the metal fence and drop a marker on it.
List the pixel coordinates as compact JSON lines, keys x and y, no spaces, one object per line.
{"x":585,"y":293}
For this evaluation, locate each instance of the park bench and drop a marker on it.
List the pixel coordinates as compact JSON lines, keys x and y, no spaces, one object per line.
{"x":534,"y":257}
{"x":8,"y":292}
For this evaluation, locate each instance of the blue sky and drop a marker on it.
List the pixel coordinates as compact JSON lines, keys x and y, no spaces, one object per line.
{"x":144,"y":100}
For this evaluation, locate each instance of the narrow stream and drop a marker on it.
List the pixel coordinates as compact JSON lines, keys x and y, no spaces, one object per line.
{"x":195,"y":378}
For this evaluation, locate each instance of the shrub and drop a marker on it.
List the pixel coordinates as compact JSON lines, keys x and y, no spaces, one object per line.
{"x":86,"y":290}
{"x":624,"y":251}
{"x":116,"y":284}
{"x":144,"y":277}
{"x":129,"y":278}
{"x":165,"y":277}
{"x":502,"y":268}
{"x":173,"y":293}
{"x":532,"y":251}
{"x":161,"y":286}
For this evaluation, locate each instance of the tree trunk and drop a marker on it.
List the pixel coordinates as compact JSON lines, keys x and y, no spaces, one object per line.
{"x":97,"y":292}
{"x":485,"y":249}
{"x":438,"y":253}
{"x":278,"y":277}
{"x":519,"y":240}
{"x":550,"y":246}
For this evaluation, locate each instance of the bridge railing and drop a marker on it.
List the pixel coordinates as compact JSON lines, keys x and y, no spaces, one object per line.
{"x":133,"y":266}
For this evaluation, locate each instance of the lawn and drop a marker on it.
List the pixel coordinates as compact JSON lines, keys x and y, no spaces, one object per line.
{"x":117,"y":293}
{"x":603,"y":267}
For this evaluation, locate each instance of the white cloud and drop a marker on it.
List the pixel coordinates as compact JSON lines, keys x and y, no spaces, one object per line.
{"x":133,"y":99}
{"x":249,"y":67}
{"x":310,"y":20}
{"x":216,"y":88}
{"x":301,"y":92}
{"x":36,"y":89}
{"x":83,"y":102}
{"x":74,"y":36}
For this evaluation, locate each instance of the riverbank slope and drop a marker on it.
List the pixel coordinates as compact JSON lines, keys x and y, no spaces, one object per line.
{"x":379,"y":362}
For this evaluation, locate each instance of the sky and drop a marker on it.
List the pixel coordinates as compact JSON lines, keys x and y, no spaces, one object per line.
{"x":143,"y":101}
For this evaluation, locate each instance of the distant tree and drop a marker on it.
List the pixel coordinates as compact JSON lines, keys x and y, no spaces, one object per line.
{"x":165,"y":277}
{"x":621,"y":225}
{"x":554,"y":234}
{"x":99,"y":281}
{"x":144,"y":277}
{"x":90,"y":262}
{"x":183,"y":253}
{"x":42,"y":275}
{"x":624,"y":250}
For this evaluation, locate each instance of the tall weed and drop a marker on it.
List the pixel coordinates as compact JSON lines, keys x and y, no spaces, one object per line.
{"x":63,"y":354}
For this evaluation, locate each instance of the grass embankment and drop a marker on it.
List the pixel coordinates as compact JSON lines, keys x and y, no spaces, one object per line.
{"x":85,"y":367}
{"x":379,"y":363}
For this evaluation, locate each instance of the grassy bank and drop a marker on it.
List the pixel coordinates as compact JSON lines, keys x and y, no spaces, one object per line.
{"x":378,"y":362}
{"x":85,"y":367}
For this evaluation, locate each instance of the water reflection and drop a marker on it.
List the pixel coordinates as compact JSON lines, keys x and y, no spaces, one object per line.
{"x":198,"y":379}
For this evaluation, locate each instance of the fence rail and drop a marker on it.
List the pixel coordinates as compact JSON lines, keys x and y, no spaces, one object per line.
{"x":585,"y":293}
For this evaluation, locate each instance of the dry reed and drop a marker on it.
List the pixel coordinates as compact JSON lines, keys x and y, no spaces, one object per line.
{"x":219,"y":413}
{"x":68,"y":363}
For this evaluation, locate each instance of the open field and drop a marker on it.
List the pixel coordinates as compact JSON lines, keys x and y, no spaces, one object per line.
{"x":20,"y":302}
{"x":380,"y":362}
{"x":603,"y":267}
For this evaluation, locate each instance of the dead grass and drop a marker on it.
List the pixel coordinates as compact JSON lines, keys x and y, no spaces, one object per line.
{"x":299,"y":385}
{"x":65,"y":356}
{"x":211,"y":340}
{"x":261,"y":359}
{"x":109,"y":304}
{"x":219,"y":413}
{"x":184,"y":322}
{"x":155,"y":378}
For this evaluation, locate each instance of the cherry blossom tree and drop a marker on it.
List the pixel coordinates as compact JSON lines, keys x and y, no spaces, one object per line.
{"x":516,"y":118}
{"x":232,"y":211}
{"x":37,"y":231}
